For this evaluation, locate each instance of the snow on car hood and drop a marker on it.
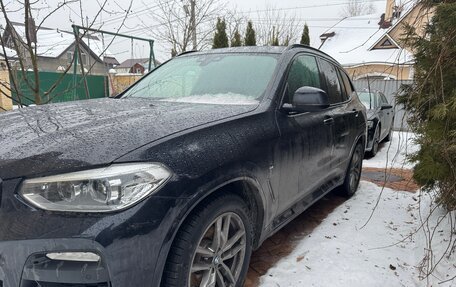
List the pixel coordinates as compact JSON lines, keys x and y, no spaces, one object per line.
{"x":63,"y":137}
{"x":218,"y":99}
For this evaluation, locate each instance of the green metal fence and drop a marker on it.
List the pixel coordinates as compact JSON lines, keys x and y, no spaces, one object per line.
{"x":64,"y":91}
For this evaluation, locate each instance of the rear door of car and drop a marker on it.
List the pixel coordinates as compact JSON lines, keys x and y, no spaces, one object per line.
{"x":341,"y":114}
{"x":306,"y":138}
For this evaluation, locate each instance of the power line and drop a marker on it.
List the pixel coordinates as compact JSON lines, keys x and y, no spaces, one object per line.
{"x":305,"y":7}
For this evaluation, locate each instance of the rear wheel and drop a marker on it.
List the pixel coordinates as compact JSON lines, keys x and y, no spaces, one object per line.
{"x":353,"y":174}
{"x":213,"y":247}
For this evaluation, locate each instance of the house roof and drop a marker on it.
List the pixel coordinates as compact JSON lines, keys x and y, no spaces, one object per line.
{"x":131,"y":62}
{"x":354,"y":40}
{"x":52,"y":43}
{"x":10,"y":53}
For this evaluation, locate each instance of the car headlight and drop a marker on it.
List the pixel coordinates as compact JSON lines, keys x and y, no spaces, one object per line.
{"x":97,"y":190}
{"x":370,"y":124}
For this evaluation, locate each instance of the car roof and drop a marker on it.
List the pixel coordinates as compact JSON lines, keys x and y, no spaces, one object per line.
{"x":243,"y":49}
{"x":259,"y":49}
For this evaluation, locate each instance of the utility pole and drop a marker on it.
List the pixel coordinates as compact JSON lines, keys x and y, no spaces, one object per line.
{"x":193,"y":23}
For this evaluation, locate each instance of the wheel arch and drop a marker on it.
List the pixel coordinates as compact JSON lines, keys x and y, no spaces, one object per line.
{"x":246,"y":187}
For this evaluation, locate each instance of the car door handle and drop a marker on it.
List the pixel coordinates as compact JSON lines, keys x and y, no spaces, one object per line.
{"x":355,"y":112}
{"x":328,"y":121}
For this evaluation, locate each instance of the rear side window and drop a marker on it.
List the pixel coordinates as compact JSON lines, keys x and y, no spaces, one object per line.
{"x":384,"y":100}
{"x":333,"y":86}
{"x":303,"y":72}
{"x":347,"y":83}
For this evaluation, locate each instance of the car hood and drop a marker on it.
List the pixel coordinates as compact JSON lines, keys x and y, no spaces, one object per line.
{"x":63,"y":137}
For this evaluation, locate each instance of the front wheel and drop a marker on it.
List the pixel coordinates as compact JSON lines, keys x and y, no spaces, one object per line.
{"x":353,"y":175}
{"x":375,"y":142}
{"x":213,"y":247}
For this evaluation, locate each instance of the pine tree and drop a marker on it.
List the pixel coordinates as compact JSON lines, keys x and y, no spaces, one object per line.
{"x":305,"y":38}
{"x":431,"y":102}
{"x":236,"y":41}
{"x":250,"y":38}
{"x":220,"y":37}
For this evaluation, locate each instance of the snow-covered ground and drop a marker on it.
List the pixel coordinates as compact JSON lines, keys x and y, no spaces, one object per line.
{"x":355,"y":246}
{"x":394,"y":153}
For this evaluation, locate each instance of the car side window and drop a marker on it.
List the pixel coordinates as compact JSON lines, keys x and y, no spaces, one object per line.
{"x":347,"y":83}
{"x":303,"y":72}
{"x":385,"y":101}
{"x":333,"y":86}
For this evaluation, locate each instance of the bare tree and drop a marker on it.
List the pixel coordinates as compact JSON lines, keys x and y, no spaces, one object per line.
{"x":235,"y":22}
{"x":274,"y":25}
{"x":181,"y":23}
{"x":357,"y":8}
{"x":20,"y":52}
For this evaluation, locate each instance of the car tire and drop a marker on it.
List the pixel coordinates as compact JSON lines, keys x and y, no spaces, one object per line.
{"x":213,"y":244}
{"x":375,"y":143}
{"x":353,"y":174}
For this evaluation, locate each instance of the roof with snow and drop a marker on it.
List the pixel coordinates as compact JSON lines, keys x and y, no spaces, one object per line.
{"x":10,"y":53}
{"x":52,"y":43}
{"x":353,"y":42}
{"x":131,"y":62}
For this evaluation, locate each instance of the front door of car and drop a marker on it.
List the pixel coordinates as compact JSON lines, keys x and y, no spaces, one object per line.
{"x":305,"y":145}
{"x":340,"y":106}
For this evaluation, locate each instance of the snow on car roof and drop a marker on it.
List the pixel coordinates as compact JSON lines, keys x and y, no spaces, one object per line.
{"x":353,"y":39}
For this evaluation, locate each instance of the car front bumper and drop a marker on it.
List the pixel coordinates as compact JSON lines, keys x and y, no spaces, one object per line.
{"x":132,"y":244}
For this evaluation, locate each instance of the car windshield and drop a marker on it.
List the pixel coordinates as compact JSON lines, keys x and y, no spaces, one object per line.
{"x":227,"y":79}
{"x":368,"y":99}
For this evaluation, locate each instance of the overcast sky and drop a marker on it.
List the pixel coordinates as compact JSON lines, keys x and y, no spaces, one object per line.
{"x":320,"y":15}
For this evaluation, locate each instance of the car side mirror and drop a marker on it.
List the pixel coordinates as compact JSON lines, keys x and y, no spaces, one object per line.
{"x":386,"y":107}
{"x":310,"y":99}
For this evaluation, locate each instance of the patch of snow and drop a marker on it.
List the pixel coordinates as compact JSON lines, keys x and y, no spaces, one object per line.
{"x":345,"y":251}
{"x":218,"y":99}
{"x":394,"y":154}
{"x":10,"y":53}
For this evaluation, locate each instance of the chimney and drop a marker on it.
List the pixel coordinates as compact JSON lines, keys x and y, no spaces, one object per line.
{"x":390,"y":4}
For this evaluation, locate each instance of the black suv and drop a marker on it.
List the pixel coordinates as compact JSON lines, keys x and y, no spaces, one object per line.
{"x":174,"y":182}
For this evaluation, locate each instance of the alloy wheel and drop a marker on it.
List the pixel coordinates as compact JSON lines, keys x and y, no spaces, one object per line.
{"x":355,"y":169}
{"x":220,"y":253}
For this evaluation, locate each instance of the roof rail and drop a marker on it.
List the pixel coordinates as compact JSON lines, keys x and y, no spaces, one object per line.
{"x":186,"y":52}
{"x":294,"y":46}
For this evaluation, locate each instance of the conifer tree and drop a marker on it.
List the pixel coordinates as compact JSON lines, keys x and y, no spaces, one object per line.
{"x":220,"y":37}
{"x":236,"y":41}
{"x":250,"y":37}
{"x":305,"y":38}
{"x":431,"y":102}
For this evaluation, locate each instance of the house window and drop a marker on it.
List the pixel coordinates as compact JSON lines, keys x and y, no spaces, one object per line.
{"x":138,"y":70}
{"x":82,"y":60}
{"x":387,"y":43}
{"x":70,"y":57}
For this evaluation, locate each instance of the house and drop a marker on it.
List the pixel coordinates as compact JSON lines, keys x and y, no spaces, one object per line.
{"x":372,"y":46}
{"x":5,"y":91}
{"x":55,"y":49}
{"x":135,"y":66}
